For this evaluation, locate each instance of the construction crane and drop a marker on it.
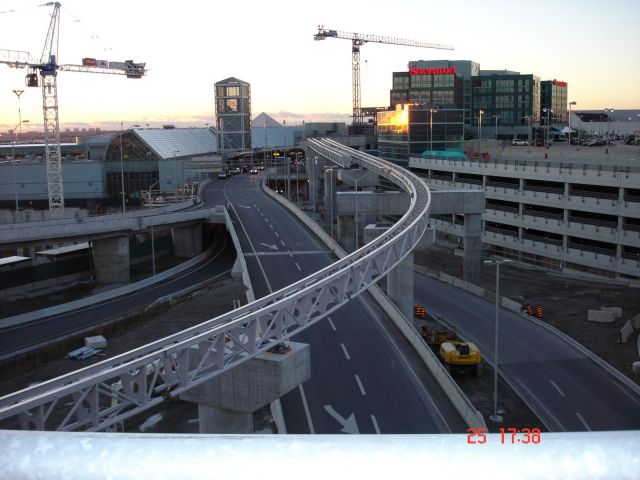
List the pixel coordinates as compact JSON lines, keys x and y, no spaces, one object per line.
{"x":47,"y":67}
{"x":357,"y":40}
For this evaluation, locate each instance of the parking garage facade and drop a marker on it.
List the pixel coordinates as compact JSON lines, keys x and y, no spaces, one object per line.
{"x":580,"y":214}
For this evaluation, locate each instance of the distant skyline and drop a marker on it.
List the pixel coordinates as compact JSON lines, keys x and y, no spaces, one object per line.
{"x":190,"y":45}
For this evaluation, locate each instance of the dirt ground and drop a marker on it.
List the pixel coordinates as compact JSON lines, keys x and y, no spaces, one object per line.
{"x":565,"y":300}
{"x":174,"y":417}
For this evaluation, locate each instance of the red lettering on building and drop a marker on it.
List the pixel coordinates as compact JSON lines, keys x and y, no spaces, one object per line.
{"x":432,"y":71}
{"x":559,"y":84}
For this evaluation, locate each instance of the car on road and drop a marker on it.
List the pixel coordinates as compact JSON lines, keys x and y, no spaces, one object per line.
{"x":235,"y":171}
{"x":222,"y":175}
{"x":520,"y":142}
{"x":253,"y":171}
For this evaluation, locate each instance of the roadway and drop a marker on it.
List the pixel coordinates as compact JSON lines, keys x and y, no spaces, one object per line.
{"x":364,"y":376}
{"x":24,"y":337}
{"x":566,"y":389}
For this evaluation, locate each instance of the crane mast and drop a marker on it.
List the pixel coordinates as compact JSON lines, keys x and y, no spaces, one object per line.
{"x":48,"y":68}
{"x":357,"y":40}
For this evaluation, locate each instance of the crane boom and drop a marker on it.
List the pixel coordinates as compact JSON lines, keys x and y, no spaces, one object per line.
{"x":48,"y":68}
{"x":357,"y":40}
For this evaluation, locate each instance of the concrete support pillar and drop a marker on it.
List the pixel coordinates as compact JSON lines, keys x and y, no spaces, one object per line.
{"x":472,"y":260}
{"x":220,"y":420}
{"x":347,"y":232}
{"x":330,"y":195}
{"x":187,"y":241}
{"x":400,"y":286}
{"x":226,"y":403}
{"x":111,"y":260}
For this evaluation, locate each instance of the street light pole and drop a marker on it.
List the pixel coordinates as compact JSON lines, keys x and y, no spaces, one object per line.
{"x":356,"y":219}
{"x":124,"y":208}
{"x":495,"y":417}
{"x":153,"y":250}
{"x":570,"y":104}
{"x":431,"y":112}
{"x":13,"y":161}
{"x":480,"y":125}
{"x":497,"y":117}
{"x":18,"y":93}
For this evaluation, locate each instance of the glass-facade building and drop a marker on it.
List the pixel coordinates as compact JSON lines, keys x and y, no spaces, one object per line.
{"x":447,"y":99}
{"x":509,"y":101}
{"x":553,"y":95}
{"x":233,"y":114}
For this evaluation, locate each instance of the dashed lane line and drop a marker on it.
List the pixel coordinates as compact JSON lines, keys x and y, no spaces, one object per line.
{"x":344,"y":349}
{"x":360,"y":385}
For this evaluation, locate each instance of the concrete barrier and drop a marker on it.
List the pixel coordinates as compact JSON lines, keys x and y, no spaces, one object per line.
{"x":246,"y":280}
{"x":617,"y":311}
{"x":511,"y":305}
{"x":101,"y":297}
{"x":463,"y":405}
{"x":625,"y":332}
{"x":599,"y":316}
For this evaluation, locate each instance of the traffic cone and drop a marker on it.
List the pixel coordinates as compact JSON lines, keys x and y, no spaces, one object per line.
{"x":539,"y":311}
{"x":529,"y":310}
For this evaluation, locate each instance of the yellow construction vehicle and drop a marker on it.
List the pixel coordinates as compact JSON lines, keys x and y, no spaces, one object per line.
{"x":458,"y":357}
{"x":461,"y":357}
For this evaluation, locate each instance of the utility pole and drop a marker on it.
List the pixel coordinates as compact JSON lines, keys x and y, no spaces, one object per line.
{"x":18,"y":93}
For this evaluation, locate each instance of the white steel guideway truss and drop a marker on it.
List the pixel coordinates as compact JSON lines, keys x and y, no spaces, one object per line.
{"x":98,"y":397}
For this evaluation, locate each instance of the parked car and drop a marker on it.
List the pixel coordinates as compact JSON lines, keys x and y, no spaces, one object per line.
{"x":518,"y":141}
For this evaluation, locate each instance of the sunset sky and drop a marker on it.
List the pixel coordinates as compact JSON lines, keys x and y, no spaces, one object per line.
{"x":189,"y":45}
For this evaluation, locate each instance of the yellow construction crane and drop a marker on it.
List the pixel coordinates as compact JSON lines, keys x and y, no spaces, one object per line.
{"x":48,"y":68}
{"x":357,"y":40}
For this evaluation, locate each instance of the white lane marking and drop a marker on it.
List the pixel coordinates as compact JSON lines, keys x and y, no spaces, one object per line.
{"x":344,"y":349}
{"x":557,"y":387}
{"x":271,"y":226}
{"x":582,"y":420}
{"x":306,"y":409}
{"x":264,"y":274}
{"x":541,"y":406}
{"x":262,"y":214}
{"x":291,"y":254}
{"x":375,"y":424}
{"x":276,"y":234}
{"x":333,"y":327}
{"x":627,"y":393}
{"x":360,"y":385}
{"x":284,"y":245}
{"x":298,"y":267}
{"x":408,"y":365}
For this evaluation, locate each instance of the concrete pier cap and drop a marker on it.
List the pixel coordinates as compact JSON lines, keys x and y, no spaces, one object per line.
{"x":226,"y":402}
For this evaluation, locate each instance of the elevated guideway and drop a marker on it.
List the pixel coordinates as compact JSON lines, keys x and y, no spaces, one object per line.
{"x":162,"y":369}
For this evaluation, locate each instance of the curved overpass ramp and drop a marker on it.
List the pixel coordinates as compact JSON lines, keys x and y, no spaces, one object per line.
{"x":84,"y":399}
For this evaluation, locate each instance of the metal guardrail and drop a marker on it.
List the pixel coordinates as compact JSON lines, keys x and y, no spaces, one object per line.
{"x":100,"y":396}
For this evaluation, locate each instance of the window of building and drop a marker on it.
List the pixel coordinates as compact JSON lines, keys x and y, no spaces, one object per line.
{"x":400,"y":82}
{"x":421,"y":81}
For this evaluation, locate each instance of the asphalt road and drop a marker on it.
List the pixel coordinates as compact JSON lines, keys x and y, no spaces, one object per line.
{"x":566,"y":389}
{"x":20,"y":337}
{"x":364,"y":377}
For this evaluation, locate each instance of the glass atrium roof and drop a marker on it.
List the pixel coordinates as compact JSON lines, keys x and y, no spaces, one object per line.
{"x":179,"y":142}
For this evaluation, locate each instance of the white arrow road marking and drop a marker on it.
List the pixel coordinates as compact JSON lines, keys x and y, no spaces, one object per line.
{"x":244,"y":206}
{"x":349,"y":424}
{"x":272,"y":247}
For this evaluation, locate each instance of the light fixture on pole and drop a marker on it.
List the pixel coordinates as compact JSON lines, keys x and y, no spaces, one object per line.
{"x":569,"y":122}
{"x":495,"y":417}
{"x":480,"y":125}
{"x":496,"y":117}
{"x":18,"y":93}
